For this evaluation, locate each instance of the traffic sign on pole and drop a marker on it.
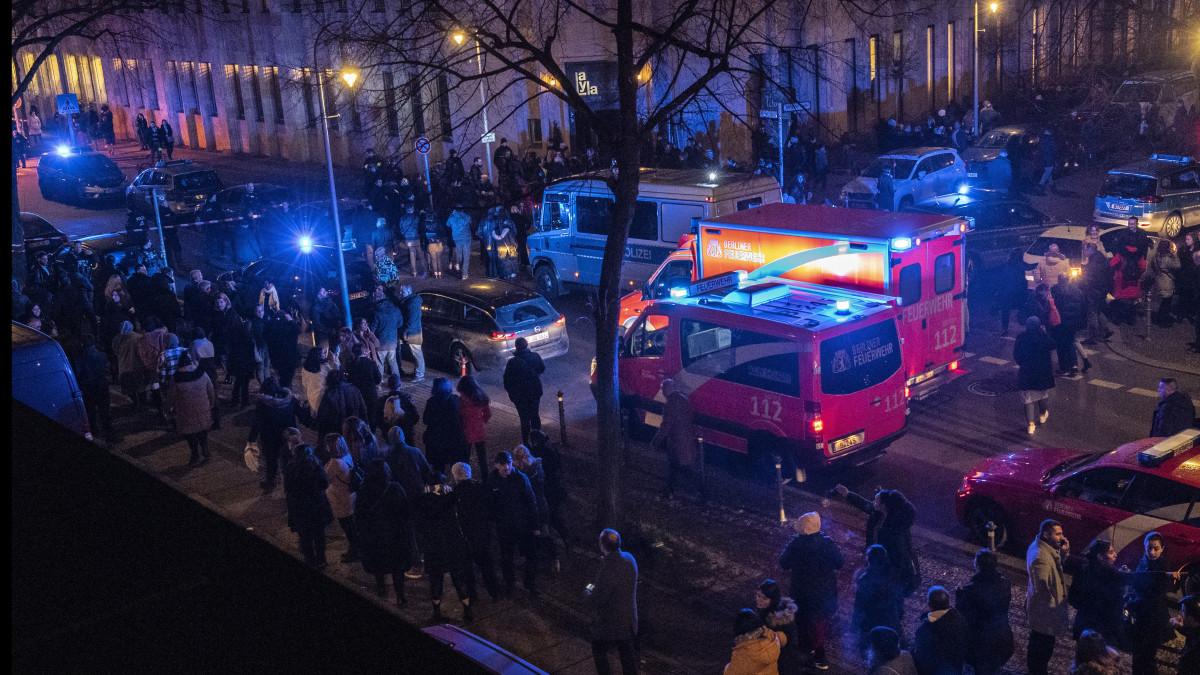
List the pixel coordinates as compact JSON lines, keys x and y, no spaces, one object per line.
{"x":68,"y":104}
{"x":768,"y":114}
{"x":489,"y":137}
{"x":796,"y":107}
{"x":422,"y":145}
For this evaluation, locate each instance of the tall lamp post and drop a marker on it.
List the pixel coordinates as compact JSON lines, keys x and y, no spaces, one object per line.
{"x":458,"y":39}
{"x":349,"y":78}
{"x":975,"y":26}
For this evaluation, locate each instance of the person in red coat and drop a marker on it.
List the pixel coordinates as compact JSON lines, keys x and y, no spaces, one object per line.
{"x":475,"y":409}
{"x":1128,"y":267}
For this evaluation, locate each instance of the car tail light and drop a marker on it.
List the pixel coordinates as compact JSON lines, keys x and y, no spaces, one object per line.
{"x":1150,"y":199}
{"x":561,"y":320}
{"x":954,"y":365}
{"x":817,"y":425}
{"x":499,"y":335}
{"x":907,"y":392}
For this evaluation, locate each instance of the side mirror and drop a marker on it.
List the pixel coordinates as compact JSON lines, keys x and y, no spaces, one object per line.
{"x":645,"y":290}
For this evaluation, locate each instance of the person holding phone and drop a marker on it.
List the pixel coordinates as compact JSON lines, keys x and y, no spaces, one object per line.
{"x":613,"y":598}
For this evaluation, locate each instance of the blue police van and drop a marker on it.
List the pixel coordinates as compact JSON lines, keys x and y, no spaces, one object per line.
{"x":571,"y":224}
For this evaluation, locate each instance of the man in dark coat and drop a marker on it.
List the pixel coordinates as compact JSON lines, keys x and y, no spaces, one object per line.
{"x":275,"y":411}
{"x":1097,"y":283}
{"x":364,"y":374}
{"x":1068,"y":299}
{"x":813,"y":559}
{"x":556,"y":489}
{"x":91,"y":372}
{"x":1175,"y":411}
{"x":282,"y":334}
{"x":410,"y":308}
{"x":984,"y":603}
{"x":1035,"y":374}
{"x":890,"y":517}
{"x":341,"y":400}
{"x":523,"y":382}
{"x":408,"y":464}
{"x":513,"y":509}
{"x":471,"y":502}
{"x":327,"y":319}
{"x":941,"y":642}
{"x":446,"y":549}
{"x":677,"y":437}
{"x":613,"y":599}
{"x":386,"y":326}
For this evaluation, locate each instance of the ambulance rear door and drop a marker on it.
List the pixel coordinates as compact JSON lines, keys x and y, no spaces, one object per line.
{"x":927,"y":281}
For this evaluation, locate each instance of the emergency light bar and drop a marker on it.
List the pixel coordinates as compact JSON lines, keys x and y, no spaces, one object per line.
{"x":1168,"y":448}
{"x":758,"y":294}
{"x":1174,"y":159}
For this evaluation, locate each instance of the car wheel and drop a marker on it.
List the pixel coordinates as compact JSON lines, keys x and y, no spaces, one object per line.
{"x":547,"y":282}
{"x":460,"y":357}
{"x":982,"y":512}
{"x":1173,"y":225}
{"x":905,"y":202}
{"x":47,"y":194}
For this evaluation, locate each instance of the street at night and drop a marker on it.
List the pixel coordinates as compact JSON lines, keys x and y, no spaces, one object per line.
{"x":981,"y":438}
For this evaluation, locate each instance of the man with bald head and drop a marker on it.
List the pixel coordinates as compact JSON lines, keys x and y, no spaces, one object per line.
{"x":613,"y":599}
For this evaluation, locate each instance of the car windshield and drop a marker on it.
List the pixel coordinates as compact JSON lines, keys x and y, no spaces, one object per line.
{"x":995,"y":139}
{"x":901,"y":168}
{"x":92,"y":164}
{"x":532,"y":312}
{"x":1138,"y":92}
{"x":1128,"y":186}
{"x":1072,"y":248}
{"x":1070,"y":465}
{"x":198,"y":181}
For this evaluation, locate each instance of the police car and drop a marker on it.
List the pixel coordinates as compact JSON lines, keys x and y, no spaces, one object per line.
{"x":1151,"y":485}
{"x":1163,"y":193}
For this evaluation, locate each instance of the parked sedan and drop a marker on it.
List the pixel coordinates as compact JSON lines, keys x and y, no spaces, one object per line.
{"x":40,"y":236}
{"x":918,"y":174}
{"x":1021,"y":142}
{"x":298,"y":274}
{"x":478,"y":322}
{"x":79,"y":177}
{"x":1121,"y":496}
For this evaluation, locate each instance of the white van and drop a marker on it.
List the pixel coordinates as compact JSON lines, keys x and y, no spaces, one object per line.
{"x":572,"y":223}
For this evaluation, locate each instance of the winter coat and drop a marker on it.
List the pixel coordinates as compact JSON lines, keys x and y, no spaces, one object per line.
{"x":894,"y":533}
{"x":341,"y":498}
{"x":442,"y":539}
{"x":537,"y":481}
{"x":474,"y":419}
{"x":1046,"y":598}
{"x":386,"y":323}
{"x":1068,"y":299}
{"x":813,"y":560}
{"x":1163,"y":269}
{"x":91,"y":371}
{"x":191,"y":398}
{"x":1032,"y":354}
{"x":129,"y":361}
{"x":613,"y":598}
{"x":878,"y":601}
{"x":444,"y":438}
{"x":1096,"y":275}
{"x":364,"y":374}
{"x":1149,"y":604}
{"x":1049,"y":268}
{"x":901,"y":665}
{"x":404,"y":413}
{"x":512,"y":505}
{"x":551,"y":456}
{"x":283,"y":345}
{"x":1173,"y":414}
{"x":782,"y":620}
{"x":1011,"y":287}
{"x":471,"y":501}
{"x":409,"y":468}
{"x":941,"y":645}
{"x":338,"y":404}
{"x":385,"y":529}
{"x":756,"y":653}
{"x":676,"y":434}
{"x":410,"y":307}
{"x":314,"y":384}
{"x":241,"y":350}
{"x":1127,"y":271}
{"x":1098,"y":596}
{"x":984,"y":603}
{"x":272,"y":414}
{"x":522,"y":376}
{"x":304,"y":484}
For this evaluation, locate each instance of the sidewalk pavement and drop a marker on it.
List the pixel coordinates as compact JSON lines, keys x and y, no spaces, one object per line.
{"x":1160,"y":347}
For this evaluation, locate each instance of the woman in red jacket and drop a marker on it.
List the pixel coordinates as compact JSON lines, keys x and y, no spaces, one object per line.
{"x":476,"y":410}
{"x":1127,"y":268}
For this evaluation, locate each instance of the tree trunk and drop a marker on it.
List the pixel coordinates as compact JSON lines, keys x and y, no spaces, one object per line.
{"x":625,"y":188}
{"x":18,"y":236}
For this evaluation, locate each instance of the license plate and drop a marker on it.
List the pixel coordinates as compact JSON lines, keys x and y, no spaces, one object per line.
{"x":972,"y":175}
{"x":1119,"y":207}
{"x":360,"y":294}
{"x":845,"y":443}
{"x":538,"y":337}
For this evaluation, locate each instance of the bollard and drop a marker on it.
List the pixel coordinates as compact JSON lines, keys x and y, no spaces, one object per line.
{"x":779,"y":482}
{"x":562,"y":420}
{"x":991,"y":528}
{"x":703,"y":473}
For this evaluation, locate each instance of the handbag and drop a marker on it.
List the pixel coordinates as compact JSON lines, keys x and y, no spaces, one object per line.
{"x":252,"y":457}
{"x":1055,"y":317}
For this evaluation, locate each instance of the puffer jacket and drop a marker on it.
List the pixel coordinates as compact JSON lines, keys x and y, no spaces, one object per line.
{"x":756,"y":653}
{"x":782,"y":620}
{"x":1048,"y":270}
{"x":1163,"y":269}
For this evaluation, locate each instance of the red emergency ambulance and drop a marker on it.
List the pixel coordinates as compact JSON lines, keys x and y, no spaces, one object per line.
{"x":772,"y":366}
{"x":915,"y":260}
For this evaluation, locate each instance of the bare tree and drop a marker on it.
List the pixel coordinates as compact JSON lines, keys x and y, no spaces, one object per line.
{"x":697,"y":49}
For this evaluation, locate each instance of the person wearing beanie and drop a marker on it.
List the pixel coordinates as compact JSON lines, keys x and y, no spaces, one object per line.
{"x":884,"y":656}
{"x":778,"y":612}
{"x":756,"y":648}
{"x":513,"y":508}
{"x":813,"y":559}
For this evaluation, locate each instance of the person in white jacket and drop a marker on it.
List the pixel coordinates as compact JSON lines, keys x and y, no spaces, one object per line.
{"x":340,"y":493}
{"x":1053,"y":264}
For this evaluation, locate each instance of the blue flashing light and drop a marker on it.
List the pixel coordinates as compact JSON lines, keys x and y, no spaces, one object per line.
{"x":306,"y":244}
{"x":964,"y":189}
{"x":902,"y":243}
{"x":63,"y":150}
{"x":679,"y":292}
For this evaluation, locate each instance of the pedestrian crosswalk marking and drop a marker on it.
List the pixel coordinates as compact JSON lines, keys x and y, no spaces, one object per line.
{"x":993,"y":360}
{"x":1106,"y":384}
{"x":1143,"y":392}
{"x":1008,"y":337}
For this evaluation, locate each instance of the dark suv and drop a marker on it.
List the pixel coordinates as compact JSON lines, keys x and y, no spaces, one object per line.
{"x":182,"y":187}
{"x":79,"y":177}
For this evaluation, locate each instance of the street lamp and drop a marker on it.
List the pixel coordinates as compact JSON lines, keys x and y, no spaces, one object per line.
{"x":459,"y":38}
{"x":995,"y":6}
{"x":349,"y":77}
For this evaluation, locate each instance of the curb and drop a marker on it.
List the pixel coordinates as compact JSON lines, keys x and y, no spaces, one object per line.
{"x":1117,"y":344}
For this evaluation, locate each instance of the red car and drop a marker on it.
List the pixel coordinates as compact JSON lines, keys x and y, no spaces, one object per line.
{"x":1121,"y":495}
